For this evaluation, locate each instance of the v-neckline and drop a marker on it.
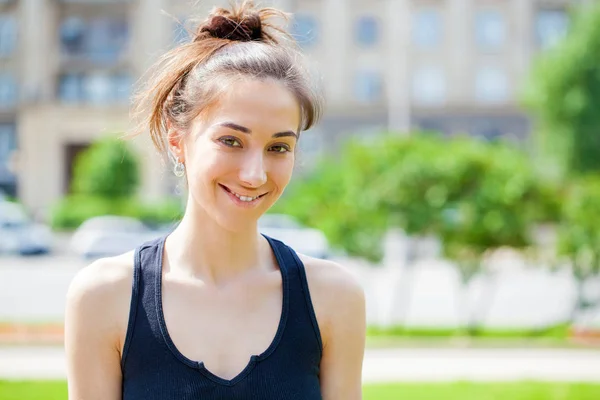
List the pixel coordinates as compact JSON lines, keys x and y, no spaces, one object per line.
{"x":254,"y":359}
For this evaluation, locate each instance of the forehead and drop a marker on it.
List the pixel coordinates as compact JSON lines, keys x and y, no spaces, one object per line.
{"x":258,"y":104}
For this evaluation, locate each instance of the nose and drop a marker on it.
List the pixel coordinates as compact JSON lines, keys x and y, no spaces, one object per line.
{"x":253,"y":173}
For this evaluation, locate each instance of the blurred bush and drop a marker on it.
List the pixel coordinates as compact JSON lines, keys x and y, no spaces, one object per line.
{"x":474,"y":195}
{"x":563,"y":94}
{"x":108,"y":169}
{"x":73,"y":210}
{"x":105,"y":182}
{"x":579,"y":235}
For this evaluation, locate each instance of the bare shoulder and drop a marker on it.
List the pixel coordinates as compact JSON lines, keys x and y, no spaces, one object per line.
{"x":102,"y":278}
{"x":99,"y":296}
{"x":336,"y":293}
{"x":331,"y":277}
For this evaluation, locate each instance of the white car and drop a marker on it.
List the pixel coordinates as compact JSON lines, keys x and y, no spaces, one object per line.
{"x":309,"y":241}
{"x":109,"y":235}
{"x":20,"y":235}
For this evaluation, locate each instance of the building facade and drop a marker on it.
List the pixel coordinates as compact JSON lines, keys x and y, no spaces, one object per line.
{"x":67,"y":68}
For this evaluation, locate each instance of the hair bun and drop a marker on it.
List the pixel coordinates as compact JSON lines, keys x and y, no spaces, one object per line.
{"x":244,"y":29}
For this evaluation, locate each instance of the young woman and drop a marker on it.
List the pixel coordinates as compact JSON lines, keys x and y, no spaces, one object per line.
{"x":215,"y":310}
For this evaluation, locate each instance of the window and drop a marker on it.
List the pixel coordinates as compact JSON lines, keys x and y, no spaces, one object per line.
{"x":99,"y":88}
{"x":100,"y":39}
{"x":429,"y":86}
{"x":551,"y":25}
{"x":491,"y":85}
{"x":8,"y":91}
{"x":305,"y":30}
{"x":367,"y":86}
{"x":427,"y":29}
{"x":367,"y":31}
{"x":69,"y":90}
{"x":122,"y":84}
{"x":490,"y":30}
{"x":72,"y":35}
{"x":8,"y":144}
{"x":8,"y":35}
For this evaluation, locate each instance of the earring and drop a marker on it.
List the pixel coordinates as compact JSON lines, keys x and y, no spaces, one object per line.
{"x":179,"y":169}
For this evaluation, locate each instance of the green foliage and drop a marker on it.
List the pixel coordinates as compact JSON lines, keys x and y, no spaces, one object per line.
{"x":579,"y":232}
{"x":73,"y":210}
{"x":106,"y":177}
{"x":156,"y":213}
{"x":108,"y":169}
{"x":564,"y":94}
{"x":472,"y":194}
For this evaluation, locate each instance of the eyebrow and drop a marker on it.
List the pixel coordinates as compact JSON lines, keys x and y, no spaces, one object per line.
{"x":247,"y":131}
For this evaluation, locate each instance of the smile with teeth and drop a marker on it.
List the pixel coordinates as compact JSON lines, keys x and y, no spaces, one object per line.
{"x":241,"y":197}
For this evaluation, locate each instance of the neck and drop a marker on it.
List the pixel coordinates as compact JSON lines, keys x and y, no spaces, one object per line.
{"x":202,"y":249}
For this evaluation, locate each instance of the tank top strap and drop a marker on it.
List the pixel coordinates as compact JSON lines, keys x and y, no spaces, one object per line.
{"x":301,"y":308}
{"x":145,"y":268}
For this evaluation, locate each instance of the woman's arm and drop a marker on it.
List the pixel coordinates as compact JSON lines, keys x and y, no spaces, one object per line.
{"x":339,"y":303}
{"x":95,"y":319}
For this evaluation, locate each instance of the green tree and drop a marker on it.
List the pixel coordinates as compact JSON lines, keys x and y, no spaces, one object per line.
{"x":473,"y":195}
{"x":564,"y":94}
{"x":105,"y":181}
{"x":108,"y":169}
{"x":579,"y":235}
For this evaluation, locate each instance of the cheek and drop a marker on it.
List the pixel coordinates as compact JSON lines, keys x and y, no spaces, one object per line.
{"x":204,"y":158}
{"x":203,"y":168}
{"x":281,"y":172}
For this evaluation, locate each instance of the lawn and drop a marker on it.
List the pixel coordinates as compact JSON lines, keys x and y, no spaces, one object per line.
{"x":483,"y":391}
{"x":402,"y":391}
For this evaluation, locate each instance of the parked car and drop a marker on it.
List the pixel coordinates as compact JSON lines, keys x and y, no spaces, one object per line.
{"x":109,"y":235}
{"x":19,"y":234}
{"x":309,"y":241}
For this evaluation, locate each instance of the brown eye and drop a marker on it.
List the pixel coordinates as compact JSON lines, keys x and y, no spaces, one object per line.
{"x":230,"y":141}
{"x":280,"y":148}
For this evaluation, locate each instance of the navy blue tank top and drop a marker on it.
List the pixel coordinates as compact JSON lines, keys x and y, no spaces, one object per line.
{"x":154,"y":369}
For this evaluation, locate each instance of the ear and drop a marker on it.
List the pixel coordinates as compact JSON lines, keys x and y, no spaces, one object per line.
{"x":175,"y":142}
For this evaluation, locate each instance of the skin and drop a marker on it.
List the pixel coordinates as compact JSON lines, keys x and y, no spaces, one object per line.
{"x":219,"y":275}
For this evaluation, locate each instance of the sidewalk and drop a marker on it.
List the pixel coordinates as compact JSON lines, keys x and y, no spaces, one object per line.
{"x":409,"y":365}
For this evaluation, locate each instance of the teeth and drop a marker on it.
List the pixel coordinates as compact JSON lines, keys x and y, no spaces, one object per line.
{"x":245,"y":198}
{"x":242,"y":198}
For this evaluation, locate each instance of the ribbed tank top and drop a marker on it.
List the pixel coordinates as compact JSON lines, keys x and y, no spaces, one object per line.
{"x":154,"y":369}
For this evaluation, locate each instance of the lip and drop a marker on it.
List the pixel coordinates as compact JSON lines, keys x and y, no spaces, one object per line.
{"x":240,"y":203}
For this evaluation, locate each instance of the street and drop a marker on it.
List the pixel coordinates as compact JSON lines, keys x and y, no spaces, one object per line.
{"x":384,"y":365}
{"x":34,"y":288}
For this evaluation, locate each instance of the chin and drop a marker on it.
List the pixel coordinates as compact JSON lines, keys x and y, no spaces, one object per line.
{"x":239,"y":223}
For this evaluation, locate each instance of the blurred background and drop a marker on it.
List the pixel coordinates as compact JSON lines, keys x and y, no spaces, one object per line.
{"x":456,"y":172}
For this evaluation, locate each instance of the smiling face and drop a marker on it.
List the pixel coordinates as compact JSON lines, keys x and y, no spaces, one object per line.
{"x":239,"y":155}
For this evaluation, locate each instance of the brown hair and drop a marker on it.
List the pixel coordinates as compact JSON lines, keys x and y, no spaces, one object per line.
{"x":230,"y":44}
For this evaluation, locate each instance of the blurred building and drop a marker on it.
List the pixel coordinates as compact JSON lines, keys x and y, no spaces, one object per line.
{"x":67,"y":69}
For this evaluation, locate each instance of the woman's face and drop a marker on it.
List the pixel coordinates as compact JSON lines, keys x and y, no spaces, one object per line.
{"x":239,"y":156}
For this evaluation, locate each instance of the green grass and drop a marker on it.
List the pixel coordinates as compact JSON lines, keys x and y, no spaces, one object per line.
{"x":33,"y":390}
{"x":483,"y":391}
{"x":398,"y":336}
{"x":57,"y":390}
{"x":560,"y":331}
